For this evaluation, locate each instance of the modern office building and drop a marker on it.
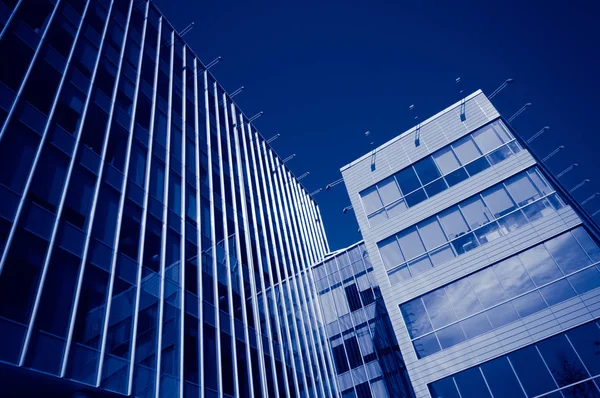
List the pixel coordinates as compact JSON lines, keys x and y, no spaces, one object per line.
{"x":151,"y":243}
{"x":489,"y":275}
{"x":365,"y":352}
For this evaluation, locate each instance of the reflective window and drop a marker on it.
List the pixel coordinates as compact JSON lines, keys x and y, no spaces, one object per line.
{"x":466,"y":150}
{"x":536,"y":370}
{"x":488,"y":215}
{"x":480,"y":301}
{"x":435,"y":173}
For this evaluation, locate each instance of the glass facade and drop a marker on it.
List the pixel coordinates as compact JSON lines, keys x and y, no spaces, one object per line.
{"x":566,"y":365}
{"x":480,"y":219}
{"x":367,"y":359}
{"x":437,"y":172}
{"x":152,"y":244}
{"x":514,"y":288}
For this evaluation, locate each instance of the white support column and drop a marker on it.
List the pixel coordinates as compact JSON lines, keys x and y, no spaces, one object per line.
{"x":199,"y":233}
{"x":256,"y":160}
{"x":235,"y":147}
{"x":249,"y":174}
{"x":212,"y":230}
{"x":295,"y":257}
{"x":266,"y":180}
{"x":163,"y":241}
{"x":226,"y":234}
{"x":63,"y":193}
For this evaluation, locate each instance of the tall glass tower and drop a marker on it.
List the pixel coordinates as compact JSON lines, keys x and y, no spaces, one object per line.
{"x":490,"y":277}
{"x":151,"y":243}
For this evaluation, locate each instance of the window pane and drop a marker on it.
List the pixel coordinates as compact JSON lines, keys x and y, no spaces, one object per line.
{"x":456,"y":176}
{"x":420,"y":265}
{"x":539,"y":264}
{"x":416,"y":197}
{"x":371,"y":200}
{"x":399,"y":275}
{"x":487,"y":139}
{"x":453,"y":223}
{"x":501,"y":378}
{"x":475,"y":212}
{"x":476,"y":325}
{"x":498,"y":201}
{"x":441,"y":255}
{"x":502,"y":315}
{"x":487,"y":287}
{"x":427,"y":170}
{"x":417,"y":321}
{"x":586,"y":340}
{"x":439,"y":309}
{"x":451,"y":336}
{"x":512,"y":221}
{"x":513,"y":277}
{"x":378,"y":217}
{"x":562,"y":360}
{"x":390,"y":252}
{"x":446,"y":160}
{"x":488,"y":233}
{"x":567,"y":253}
{"x":466,"y":150}
{"x":522,"y":190}
{"x":471,"y":384}
{"x":539,"y":182}
{"x":436,"y":187}
{"x":388,"y":190}
{"x":465,"y":243}
{"x":426,"y":345}
{"x":532,"y":372}
{"x":499,"y":155}
{"x":529,"y":304}
{"x":584,"y":239}
{"x":463,"y":298}
{"x":586,"y":280}
{"x":408,"y":181}
{"x":431,"y":233}
{"x":444,"y":388}
{"x":557,"y":292}
{"x":395,"y":208}
{"x":410,"y":243}
{"x":477,"y":166}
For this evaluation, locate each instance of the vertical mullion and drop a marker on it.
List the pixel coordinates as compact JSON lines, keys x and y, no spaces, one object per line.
{"x":122,"y":199}
{"x":148,"y":171}
{"x":212,"y":231}
{"x":163,"y":242}
{"x":272,"y":214}
{"x":10,"y":18}
{"x":290,"y":186}
{"x":30,"y":67}
{"x":226,"y":233}
{"x":198,"y":234}
{"x":312,"y":236}
{"x":182,"y":253}
{"x":261,"y":204}
{"x":248,"y":253}
{"x":238,"y":255}
{"x":258,"y":260}
{"x":292,"y":252}
{"x":63,"y":193}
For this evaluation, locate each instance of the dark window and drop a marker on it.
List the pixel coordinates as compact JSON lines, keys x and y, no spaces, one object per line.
{"x":69,"y":108}
{"x":49,"y":178}
{"x":12,"y":72}
{"x":427,"y":170}
{"x":17,"y":150}
{"x":339,"y":357}
{"x":408,"y":181}
{"x":353,"y":297}
{"x":79,"y":197}
{"x":94,"y":128}
{"x":354,"y":355}
{"x":40,"y":89}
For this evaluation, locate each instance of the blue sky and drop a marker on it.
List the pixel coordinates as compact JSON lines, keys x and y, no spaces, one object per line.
{"x":324,"y":72}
